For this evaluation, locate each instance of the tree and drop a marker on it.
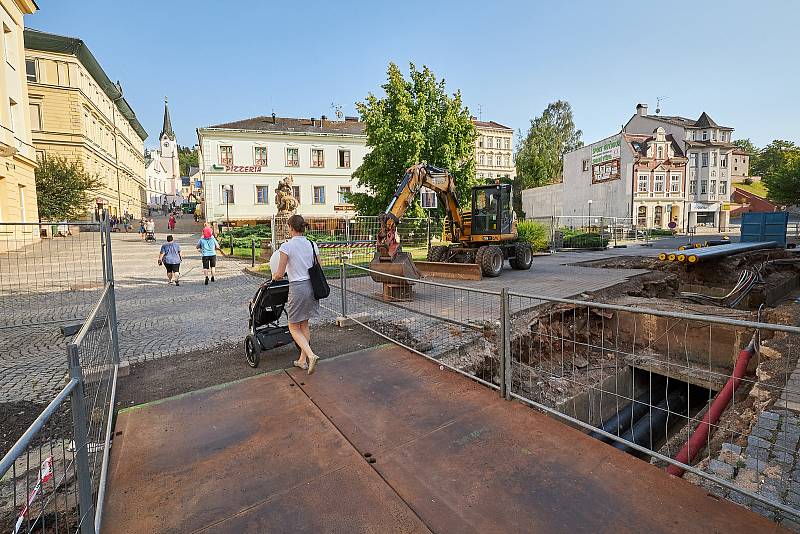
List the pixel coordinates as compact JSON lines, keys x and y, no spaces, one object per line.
{"x":63,"y":188}
{"x":415,"y":121}
{"x":747,"y":146}
{"x":187,"y":157}
{"x":539,"y":154}
{"x":779,"y":167}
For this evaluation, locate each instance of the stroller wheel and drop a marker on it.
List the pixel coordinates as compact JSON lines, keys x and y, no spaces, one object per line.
{"x":252,"y":351}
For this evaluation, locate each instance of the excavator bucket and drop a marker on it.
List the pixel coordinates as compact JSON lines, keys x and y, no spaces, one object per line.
{"x":400,"y":265}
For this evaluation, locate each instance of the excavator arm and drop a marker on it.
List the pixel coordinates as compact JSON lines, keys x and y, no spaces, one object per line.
{"x":437,"y":180}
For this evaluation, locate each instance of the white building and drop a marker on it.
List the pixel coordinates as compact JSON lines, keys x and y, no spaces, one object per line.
{"x":709,"y":150}
{"x":493,"y":151}
{"x":162,"y":167}
{"x":242,"y":162}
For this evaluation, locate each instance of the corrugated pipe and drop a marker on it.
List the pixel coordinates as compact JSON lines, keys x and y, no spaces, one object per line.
{"x":652,"y":426}
{"x":623,"y":420}
{"x":700,"y":437}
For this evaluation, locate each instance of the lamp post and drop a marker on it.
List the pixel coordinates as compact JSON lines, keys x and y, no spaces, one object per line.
{"x":227,"y":190}
{"x":590,"y":214}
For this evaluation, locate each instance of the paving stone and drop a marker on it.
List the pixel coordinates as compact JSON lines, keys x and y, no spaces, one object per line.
{"x":755,"y":464}
{"x":721,"y":468}
{"x":761,"y":432}
{"x":757,"y":442}
{"x":733,"y":449}
{"x":769,"y":415}
{"x":782,"y":457}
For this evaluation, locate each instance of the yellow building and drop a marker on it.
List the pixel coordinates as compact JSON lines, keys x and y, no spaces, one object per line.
{"x":17,"y":156}
{"x":493,"y":151}
{"x":78,"y":112}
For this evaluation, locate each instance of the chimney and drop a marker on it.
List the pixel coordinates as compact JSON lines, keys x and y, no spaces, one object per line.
{"x":313,"y":121}
{"x":322,"y":122}
{"x":641,"y":109}
{"x":273,"y":118}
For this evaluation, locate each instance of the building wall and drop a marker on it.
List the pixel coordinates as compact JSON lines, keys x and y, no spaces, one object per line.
{"x":245,"y":175}
{"x":543,"y":201}
{"x":79,"y":121}
{"x":17,"y":178}
{"x":486,"y":147}
{"x":740,"y":168}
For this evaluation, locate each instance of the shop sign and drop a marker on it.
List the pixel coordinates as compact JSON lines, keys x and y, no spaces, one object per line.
{"x":243,"y":168}
{"x":703,"y":206}
{"x":607,"y":151}
{"x":726,"y":207}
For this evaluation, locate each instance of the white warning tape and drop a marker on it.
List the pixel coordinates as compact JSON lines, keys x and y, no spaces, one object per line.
{"x":45,"y":474}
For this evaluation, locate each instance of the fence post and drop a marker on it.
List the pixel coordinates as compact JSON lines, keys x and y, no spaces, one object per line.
{"x":108,"y":272}
{"x":428,"y":233}
{"x":505,"y":345}
{"x":272,"y":234}
{"x":343,"y":284}
{"x":81,"y":431}
{"x":252,"y":252}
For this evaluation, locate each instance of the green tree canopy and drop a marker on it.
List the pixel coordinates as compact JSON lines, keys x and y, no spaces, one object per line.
{"x":779,"y":167}
{"x":747,"y":145}
{"x":187,"y":157}
{"x":540,"y":152}
{"x":63,"y":189}
{"x":415,"y":121}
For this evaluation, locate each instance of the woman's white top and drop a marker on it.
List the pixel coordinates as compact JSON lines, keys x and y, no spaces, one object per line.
{"x":301,"y":257}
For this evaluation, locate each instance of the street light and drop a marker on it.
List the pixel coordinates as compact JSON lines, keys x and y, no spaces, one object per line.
{"x":590,"y":214}
{"x":227,"y":190}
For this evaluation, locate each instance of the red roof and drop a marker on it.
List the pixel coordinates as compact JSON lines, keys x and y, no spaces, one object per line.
{"x":491,"y":124}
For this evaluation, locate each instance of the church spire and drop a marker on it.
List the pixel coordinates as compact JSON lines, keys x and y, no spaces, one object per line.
{"x":167,"y":128}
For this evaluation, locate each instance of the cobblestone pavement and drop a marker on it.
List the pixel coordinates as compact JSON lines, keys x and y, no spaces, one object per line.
{"x":158,"y":320}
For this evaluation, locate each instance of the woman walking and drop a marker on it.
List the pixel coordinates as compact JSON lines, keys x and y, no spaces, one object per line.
{"x":296,"y":258}
{"x":207,"y":245}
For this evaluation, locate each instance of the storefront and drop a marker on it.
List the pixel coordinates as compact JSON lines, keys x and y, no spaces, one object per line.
{"x":704,"y":214}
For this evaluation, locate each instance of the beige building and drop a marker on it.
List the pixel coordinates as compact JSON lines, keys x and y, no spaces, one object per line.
{"x":78,"y":112}
{"x":740,"y":166}
{"x":17,"y":155}
{"x":493,"y":151}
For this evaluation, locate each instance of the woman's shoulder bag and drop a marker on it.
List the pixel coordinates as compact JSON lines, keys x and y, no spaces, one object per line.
{"x":317,"y":276}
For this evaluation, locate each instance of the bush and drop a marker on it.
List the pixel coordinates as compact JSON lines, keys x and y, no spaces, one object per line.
{"x":573,"y":239}
{"x":660,"y":232}
{"x":537,"y":234}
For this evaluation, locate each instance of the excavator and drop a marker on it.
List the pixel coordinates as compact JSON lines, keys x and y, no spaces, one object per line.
{"x":482,"y":239}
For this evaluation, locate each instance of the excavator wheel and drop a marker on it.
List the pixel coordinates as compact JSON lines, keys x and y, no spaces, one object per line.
{"x":492,"y":261}
{"x":437,"y":253}
{"x":523,"y":256}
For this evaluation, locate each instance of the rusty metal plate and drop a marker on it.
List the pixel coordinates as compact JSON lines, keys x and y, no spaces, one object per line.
{"x":248,"y":453}
{"x":453,"y":271}
{"x":467,"y":461}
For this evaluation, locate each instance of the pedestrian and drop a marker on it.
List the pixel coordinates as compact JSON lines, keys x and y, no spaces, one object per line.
{"x":170,"y":257}
{"x":198,"y":211}
{"x":171,"y":223}
{"x":296,"y":258}
{"x":207,"y":245}
{"x":141,"y":228}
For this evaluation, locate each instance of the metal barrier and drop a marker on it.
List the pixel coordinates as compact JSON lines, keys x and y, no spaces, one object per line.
{"x":53,"y":478}
{"x":676,"y":388}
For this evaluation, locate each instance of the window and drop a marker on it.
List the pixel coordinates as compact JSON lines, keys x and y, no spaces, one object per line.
{"x":31,"y":71}
{"x":723,"y":161}
{"x":508,"y":161}
{"x":36,"y":116}
{"x":508,"y":144}
{"x":429,"y":199}
{"x":226,"y":194}
{"x":226,"y":155}
{"x":480,"y":159}
{"x":713,"y":159}
{"x":22,"y":214}
{"x":296,"y":193}
{"x":585,"y":165}
{"x":705,"y":159}
{"x":490,"y":140}
{"x":480,"y":141}
{"x":262,"y":194}
{"x":40,"y":155}
{"x":713,"y":189}
{"x":705,"y":135}
{"x":480,"y":175}
{"x":703,"y":187}
{"x":723,"y":187}
{"x":489,"y":160}
{"x":674,"y":183}
{"x":344,"y":159}
{"x":692,"y":187}
{"x":292,"y":157}
{"x":260,"y":155}
{"x":693,"y":159}
{"x":319,"y":194}
{"x":499,"y":160}
{"x":344,"y":194}
{"x":644,"y":183}
{"x":713,"y":135}
{"x":659,"y":183}
{"x":660,"y":152}
{"x":317,"y":157}
{"x":641,"y":216}
{"x":8,"y":44}
{"x":658,"y":214}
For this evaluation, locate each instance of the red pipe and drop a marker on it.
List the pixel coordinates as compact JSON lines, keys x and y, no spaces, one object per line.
{"x":699,"y":438}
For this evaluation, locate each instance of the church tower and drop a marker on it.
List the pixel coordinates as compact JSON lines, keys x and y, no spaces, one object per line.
{"x":169,"y":152}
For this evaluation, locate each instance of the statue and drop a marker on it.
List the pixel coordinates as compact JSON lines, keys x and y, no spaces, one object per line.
{"x":286,"y":205}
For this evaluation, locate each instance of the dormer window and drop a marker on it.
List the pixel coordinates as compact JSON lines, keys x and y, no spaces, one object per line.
{"x":660,"y":151}
{"x":713,"y":135}
{"x":705,"y":135}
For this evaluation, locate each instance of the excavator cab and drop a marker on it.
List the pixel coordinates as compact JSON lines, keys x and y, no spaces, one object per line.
{"x":491,"y":210}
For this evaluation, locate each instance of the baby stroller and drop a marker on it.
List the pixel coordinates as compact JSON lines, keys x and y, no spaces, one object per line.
{"x":149,"y":236}
{"x":264,"y":329}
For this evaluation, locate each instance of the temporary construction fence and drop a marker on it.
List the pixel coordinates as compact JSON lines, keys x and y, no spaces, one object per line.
{"x":676,"y":388}
{"x":583,"y":232}
{"x":53,"y":478}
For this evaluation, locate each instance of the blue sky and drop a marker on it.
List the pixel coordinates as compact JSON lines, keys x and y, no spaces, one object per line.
{"x":224,"y":61}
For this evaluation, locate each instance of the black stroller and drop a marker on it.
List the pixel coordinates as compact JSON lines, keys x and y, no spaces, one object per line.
{"x":264,"y":329}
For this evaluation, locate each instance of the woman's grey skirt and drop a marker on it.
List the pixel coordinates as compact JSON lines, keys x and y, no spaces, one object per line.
{"x":301,"y":305}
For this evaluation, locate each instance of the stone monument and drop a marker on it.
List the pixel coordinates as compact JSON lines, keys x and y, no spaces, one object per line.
{"x":286,"y":205}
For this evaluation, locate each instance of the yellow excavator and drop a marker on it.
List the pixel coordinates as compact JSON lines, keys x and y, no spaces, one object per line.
{"x":482,"y":239}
